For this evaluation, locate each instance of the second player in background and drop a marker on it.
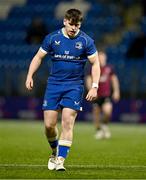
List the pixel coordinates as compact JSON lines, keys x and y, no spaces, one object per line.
{"x":108,"y":91}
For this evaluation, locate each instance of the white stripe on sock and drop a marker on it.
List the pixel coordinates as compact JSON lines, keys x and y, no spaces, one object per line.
{"x":65,"y":143}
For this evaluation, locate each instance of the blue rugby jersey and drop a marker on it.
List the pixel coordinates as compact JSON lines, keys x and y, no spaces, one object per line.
{"x":68,"y":55}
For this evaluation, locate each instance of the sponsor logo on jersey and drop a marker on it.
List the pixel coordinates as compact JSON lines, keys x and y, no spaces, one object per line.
{"x":65,"y":56}
{"x":66,"y":52}
{"x":77,"y":103}
{"x":57,"y":43}
{"x":79,"y":45}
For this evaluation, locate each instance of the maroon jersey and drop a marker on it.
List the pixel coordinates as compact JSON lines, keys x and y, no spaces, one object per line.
{"x":105,"y":89}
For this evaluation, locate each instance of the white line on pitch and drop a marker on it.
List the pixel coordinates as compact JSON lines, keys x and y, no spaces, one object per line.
{"x":77,"y":166}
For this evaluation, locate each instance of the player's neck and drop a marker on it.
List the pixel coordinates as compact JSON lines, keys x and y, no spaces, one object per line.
{"x":66,"y":35}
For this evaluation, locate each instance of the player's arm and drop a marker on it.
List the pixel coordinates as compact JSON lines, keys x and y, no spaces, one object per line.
{"x":34,"y":65}
{"x":88,"y":82}
{"x":95,"y":75}
{"x":115,"y":87}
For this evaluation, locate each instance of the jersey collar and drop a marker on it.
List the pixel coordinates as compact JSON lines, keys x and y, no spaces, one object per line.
{"x":65,"y":35}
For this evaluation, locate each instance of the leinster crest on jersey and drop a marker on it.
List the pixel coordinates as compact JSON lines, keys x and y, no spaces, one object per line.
{"x":79,"y":45}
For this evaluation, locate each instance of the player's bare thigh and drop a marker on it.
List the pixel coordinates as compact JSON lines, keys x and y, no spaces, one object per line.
{"x":68,"y":117}
{"x":67,"y":123}
{"x":50,"y":118}
{"x":107,"y":108}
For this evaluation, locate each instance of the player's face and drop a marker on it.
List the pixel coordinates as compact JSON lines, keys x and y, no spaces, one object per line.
{"x":102,"y":59}
{"x":70,"y":28}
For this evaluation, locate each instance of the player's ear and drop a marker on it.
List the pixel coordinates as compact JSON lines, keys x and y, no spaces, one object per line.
{"x":64,"y":22}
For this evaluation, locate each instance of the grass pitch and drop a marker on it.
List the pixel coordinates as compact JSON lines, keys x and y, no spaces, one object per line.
{"x":24,"y":152}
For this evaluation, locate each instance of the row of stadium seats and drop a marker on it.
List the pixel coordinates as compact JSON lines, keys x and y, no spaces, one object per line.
{"x":15,"y":23}
{"x":32,"y":11}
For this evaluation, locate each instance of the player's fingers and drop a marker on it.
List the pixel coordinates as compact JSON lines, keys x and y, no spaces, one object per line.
{"x":93,"y":98}
{"x":89,"y":97}
{"x":116,"y":98}
{"x":29,"y":85}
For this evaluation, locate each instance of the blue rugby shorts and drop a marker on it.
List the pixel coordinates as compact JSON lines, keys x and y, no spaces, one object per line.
{"x":58,"y":96}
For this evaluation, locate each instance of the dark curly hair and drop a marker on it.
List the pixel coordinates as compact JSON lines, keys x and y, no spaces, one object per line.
{"x":74,"y":15}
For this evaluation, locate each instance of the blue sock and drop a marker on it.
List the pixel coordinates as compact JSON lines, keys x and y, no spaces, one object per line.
{"x":54,"y":145}
{"x":63,"y":151}
{"x":64,"y":147}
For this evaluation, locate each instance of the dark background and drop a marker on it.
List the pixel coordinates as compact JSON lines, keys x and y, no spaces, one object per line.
{"x":118,"y":27}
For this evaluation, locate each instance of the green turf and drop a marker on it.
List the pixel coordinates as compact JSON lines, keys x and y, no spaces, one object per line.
{"x":24,"y":152}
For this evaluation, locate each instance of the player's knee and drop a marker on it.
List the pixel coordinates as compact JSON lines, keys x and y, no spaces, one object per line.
{"x":67,"y":124}
{"x":68,"y":119}
{"x":107,"y":111}
{"x":50,"y":131}
{"x":50,"y":126}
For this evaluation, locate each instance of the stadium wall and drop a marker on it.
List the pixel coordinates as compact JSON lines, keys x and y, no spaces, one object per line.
{"x":129,"y":111}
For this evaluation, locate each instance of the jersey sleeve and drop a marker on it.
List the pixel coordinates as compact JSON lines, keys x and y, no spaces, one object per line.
{"x":46,"y":44}
{"x":112,"y":70}
{"x":91,"y":48}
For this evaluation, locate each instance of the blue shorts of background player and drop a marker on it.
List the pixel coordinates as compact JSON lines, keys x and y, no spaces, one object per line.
{"x":67,"y":95}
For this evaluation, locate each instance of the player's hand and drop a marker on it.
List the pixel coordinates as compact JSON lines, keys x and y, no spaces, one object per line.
{"x":92,"y":94}
{"x":116,"y":96}
{"x":29,"y":83}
